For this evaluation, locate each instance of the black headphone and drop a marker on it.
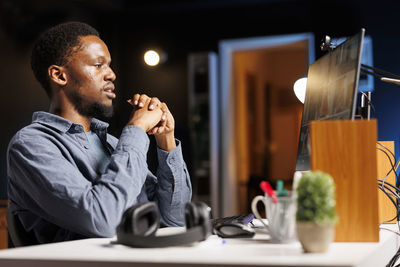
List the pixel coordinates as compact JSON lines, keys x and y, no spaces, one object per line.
{"x":140,"y":222}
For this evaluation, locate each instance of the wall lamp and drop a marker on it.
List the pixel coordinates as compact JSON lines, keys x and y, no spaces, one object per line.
{"x":153,"y":57}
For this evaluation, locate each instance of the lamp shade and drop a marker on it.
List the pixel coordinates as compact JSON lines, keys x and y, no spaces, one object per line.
{"x":300,"y":88}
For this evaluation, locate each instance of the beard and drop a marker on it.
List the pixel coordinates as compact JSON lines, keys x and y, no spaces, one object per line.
{"x":90,"y":108}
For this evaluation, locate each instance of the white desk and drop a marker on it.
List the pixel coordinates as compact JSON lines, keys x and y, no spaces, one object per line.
{"x":212,"y":252}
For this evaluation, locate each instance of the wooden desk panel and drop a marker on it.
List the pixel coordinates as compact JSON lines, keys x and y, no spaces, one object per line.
{"x":3,"y":225}
{"x":347,"y":151}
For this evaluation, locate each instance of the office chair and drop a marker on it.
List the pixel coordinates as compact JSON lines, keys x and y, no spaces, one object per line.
{"x":19,"y":237}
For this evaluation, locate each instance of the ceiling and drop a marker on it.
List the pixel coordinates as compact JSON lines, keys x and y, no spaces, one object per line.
{"x":23,"y":19}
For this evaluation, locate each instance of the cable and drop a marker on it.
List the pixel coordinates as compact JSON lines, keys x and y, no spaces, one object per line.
{"x":380,"y":143}
{"x":387,"y":194}
{"x":388,"y":221}
{"x":369,"y":102}
{"x":394,"y":157}
{"x":382,"y":188}
{"x":389,"y":184}
{"x":393,"y":195}
{"x":396,"y":256}
{"x":390,"y":230}
{"x":384,"y":179}
{"x":397,"y":178}
{"x":391,"y":163}
{"x":398,"y":162}
{"x":392,"y":169}
{"x":385,"y":186}
{"x":379,"y":72}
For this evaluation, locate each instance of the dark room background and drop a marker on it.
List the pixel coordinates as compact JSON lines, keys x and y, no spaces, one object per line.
{"x":180,"y":28}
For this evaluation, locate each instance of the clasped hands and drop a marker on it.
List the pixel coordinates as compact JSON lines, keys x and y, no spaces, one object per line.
{"x":152,"y":115}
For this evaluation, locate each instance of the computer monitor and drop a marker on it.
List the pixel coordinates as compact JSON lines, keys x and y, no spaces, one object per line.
{"x":331,"y":92}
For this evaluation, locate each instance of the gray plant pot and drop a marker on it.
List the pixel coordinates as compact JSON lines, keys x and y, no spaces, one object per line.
{"x":313,"y":237}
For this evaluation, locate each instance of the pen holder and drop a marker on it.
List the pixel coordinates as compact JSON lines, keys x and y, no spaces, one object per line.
{"x":280,"y":214}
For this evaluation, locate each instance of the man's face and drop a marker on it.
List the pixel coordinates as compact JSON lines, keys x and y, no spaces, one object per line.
{"x":90,"y":78}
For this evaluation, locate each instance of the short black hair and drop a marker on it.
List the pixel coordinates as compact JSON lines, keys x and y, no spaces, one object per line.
{"x":55,"y":46}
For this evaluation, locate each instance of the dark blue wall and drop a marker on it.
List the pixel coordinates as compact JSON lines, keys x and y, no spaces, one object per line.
{"x":182,"y":27}
{"x":381,"y":21}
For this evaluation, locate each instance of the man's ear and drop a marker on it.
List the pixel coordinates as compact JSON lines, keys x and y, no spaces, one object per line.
{"x":57,"y":74}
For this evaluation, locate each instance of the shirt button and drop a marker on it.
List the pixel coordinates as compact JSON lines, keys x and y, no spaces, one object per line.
{"x":171,"y":160}
{"x":86,"y":146}
{"x":77,"y":128}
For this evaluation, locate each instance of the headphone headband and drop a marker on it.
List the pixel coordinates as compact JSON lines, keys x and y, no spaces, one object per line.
{"x":190,"y":236}
{"x":140,"y":222}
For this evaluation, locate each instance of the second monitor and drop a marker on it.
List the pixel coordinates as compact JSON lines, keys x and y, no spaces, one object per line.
{"x":331,"y":91}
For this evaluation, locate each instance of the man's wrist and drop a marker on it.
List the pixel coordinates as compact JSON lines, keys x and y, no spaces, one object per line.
{"x":166,"y":142}
{"x":138,"y":124}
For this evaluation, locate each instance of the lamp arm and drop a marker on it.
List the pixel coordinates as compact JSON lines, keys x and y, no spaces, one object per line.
{"x":381,"y":72}
{"x":392,"y":78}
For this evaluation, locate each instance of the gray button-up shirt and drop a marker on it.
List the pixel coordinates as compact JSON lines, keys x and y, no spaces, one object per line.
{"x":56,"y":191}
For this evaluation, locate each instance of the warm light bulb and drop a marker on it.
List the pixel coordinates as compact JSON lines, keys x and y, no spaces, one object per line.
{"x":151,"y":58}
{"x":300,"y":89}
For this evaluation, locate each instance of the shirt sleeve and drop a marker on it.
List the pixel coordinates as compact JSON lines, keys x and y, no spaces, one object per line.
{"x":45,"y":177}
{"x":172,"y":187}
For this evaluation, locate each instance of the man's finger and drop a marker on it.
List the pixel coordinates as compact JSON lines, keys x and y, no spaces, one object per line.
{"x":154,"y":102}
{"x":161,"y":129}
{"x":164,"y":122}
{"x":136,"y":99}
{"x":154,"y":130}
{"x":164,"y":107}
{"x":142,"y":100}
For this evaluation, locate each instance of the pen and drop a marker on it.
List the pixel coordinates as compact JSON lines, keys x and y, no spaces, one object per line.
{"x":279,"y":188}
{"x":267,"y":189}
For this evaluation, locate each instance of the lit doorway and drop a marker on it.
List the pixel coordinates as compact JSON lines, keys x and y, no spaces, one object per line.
{"x":259,"y":114}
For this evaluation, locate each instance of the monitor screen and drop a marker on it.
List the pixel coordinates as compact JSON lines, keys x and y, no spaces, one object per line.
{"x":331,"y":92}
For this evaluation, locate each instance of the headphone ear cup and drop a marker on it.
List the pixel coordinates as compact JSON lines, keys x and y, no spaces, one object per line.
{"x":204,"y":212}
{"x":125,"y":226}
{"x":190,"y":215}
{"x":196,"y":214}
{"x":140,"y":220}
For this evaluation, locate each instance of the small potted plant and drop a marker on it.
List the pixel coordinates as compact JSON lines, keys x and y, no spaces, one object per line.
{"x":316,"y":215}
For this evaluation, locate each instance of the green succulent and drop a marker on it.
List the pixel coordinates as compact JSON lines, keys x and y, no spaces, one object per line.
{"x":316,"y":198}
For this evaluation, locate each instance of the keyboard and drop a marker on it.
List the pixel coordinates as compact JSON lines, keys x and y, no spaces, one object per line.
{"x":242,"y":218}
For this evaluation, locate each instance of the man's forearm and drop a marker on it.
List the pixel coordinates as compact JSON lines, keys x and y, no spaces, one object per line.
{"x":166,"y":142}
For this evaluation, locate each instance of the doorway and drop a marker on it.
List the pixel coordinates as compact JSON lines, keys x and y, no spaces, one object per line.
{"x":260,"y":115}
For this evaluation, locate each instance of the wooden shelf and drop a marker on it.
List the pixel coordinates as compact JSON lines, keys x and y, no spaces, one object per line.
{"x":347,"y":150}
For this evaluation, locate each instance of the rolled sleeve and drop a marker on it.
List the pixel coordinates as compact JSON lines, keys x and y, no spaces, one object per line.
{"x":174,"y":187}
{"x":133,"y":137}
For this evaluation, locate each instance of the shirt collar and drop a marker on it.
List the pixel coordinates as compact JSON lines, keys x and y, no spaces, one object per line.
{"x":63,"y":125}
{"x":98,"y":125}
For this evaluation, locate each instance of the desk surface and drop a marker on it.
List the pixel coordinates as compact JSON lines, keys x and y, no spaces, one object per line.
{"x":212,"y":252}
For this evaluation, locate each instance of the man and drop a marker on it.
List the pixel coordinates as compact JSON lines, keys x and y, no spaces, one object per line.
{"x":68,"y":178}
